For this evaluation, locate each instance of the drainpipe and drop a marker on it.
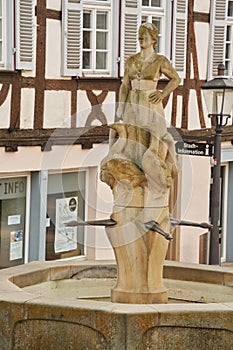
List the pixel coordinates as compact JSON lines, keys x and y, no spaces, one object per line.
{"x":172,"y":23}
{"x":119,"y":36}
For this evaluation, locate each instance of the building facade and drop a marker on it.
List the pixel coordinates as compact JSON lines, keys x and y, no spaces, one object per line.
{"x":61,"y":63}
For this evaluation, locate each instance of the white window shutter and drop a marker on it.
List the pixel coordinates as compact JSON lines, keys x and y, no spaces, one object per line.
{"x":180,"y":36}
{"x":217,"y":36}
{"x":72,"y":37}
{"x":25,"y":34}
{"x":131,"y":20}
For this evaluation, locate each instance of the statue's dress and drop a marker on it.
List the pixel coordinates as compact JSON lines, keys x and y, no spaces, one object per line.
{"x":151,"y":136}
{"x":142,"y":78}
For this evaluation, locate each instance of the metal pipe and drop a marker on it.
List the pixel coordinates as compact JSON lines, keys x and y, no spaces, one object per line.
{"x":215,"y":199}
{"x":175,"y":222}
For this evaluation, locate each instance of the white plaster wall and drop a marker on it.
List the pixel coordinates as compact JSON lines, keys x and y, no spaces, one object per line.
{"x":61,"y":157}
{"x":53,"y":49}
{"x":27,"y":108}
{"x":179,"y":112}
{"x":194,"y":203}
{"x":57,"y":109}
{"x":99,"y":196}
{"x":84,"y":108}
{"x":109,"y":107}
{"x":104,"y":210}
{"x":54,"y":4}
{"x":201,"y":5}
{"x":5,"y":111}
{"x":99,"y":204}
{"x":168,"y":110}
{"x":194,"y":121}
{"x":202,"y":45}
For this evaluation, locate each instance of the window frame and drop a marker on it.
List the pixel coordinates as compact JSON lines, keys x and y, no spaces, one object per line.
{"x":228,"y":60}
{"x":72,"y":56}
{"x":157,"y":12}
{"x":93,"y":51}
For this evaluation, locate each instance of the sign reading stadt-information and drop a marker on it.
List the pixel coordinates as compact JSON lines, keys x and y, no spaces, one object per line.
{"x":194,"y":149}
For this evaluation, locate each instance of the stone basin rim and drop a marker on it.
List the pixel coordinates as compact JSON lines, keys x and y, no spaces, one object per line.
{"x":13,"y":279}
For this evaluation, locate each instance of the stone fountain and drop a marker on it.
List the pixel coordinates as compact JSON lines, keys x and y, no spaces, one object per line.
{"x":66,"y":305}
{"x":142,"y":302}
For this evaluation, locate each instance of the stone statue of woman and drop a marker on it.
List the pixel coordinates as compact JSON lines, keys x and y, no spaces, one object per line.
{"x":140,"y":168}
{"x":141,"y":104}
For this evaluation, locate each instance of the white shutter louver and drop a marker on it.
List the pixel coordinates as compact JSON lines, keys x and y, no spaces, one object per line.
{"x":25,"y":34}
{"x":72,"y":37}
{"x":180,"y":37}
{"x":129,"y":29}
{"x":217,"y":36}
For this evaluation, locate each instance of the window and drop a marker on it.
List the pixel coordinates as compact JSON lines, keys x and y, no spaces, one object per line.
{"x":229,"y":41}
{"x":171,"y":20}
{"x":95,"y":40}
{"x":6,"y":35}
{"x":151,"y":3}
{"x":17,"y":34}
{"x":87,"y":46}
{"x":1,"y":33}
{"x":152,"y":12}
{"x":230,"y":8}
{"x":218,"y":47}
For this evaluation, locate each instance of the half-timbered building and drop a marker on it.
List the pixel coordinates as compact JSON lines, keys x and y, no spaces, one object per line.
{"x":61,"y":63}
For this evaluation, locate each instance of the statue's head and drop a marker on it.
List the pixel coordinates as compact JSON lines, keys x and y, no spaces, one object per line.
{"x":150,"y":28}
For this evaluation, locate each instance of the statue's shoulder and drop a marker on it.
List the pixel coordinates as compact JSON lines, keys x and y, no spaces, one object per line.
{"x":162,"y":58}
{"x":132,"y":58}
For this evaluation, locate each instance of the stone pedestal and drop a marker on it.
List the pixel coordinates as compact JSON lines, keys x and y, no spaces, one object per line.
{"x":140,"y":255}
{"x":139,"y":169}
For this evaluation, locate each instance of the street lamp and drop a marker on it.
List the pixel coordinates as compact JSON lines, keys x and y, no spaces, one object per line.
{"x":218,"y":94}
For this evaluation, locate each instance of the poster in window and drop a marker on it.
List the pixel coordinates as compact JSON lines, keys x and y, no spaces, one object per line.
{"x":65,"y":237}
{"x":16,"y":244}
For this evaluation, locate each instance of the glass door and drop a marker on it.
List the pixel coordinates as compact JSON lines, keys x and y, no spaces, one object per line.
{"x":65,"y":203}
{"x":12,"y":221}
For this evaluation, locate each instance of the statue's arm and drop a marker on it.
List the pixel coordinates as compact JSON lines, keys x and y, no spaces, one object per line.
{"x":171,"y":74}
{"x":174,"y":80}
{"x":123,"y":92}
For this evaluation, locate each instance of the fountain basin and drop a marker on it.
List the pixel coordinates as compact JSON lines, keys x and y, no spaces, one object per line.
{"x":65,"y":305}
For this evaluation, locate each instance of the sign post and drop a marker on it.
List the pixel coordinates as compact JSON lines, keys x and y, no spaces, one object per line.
{"x":194,"y":148}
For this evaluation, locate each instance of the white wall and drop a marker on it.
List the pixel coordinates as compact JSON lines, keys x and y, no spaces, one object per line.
{"x":202,"y":5}
{"x":194,"y":203}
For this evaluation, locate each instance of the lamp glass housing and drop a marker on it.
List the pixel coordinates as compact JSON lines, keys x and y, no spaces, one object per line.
{"x":218,"y":101}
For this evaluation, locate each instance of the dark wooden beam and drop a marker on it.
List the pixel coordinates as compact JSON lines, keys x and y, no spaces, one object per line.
{"x":46,"y":138}
{"x":40,"y":65}
{"x":201,"y":17}
{"x":87,"y":136}
{"x":54,"y":14}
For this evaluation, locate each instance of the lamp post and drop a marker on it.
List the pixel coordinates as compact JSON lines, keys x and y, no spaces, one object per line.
{"x":218,"y":94}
